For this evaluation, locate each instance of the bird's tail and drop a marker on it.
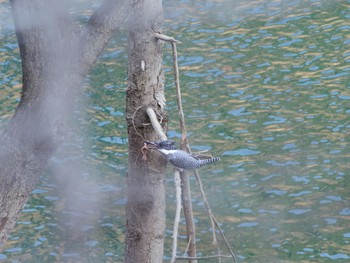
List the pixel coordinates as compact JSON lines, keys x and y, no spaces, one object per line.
{"x":209,"y":160}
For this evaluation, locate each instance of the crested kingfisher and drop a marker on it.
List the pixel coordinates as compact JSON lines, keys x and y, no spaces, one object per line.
{"x":179,"y":158}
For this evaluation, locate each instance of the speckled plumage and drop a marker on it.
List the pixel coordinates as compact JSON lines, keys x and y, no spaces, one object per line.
{"x":179,"y":158}
{"x":184,"y":160}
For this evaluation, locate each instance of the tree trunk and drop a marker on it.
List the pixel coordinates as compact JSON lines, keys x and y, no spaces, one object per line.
{"x":35,"y":131}
{"x":56,"y":54}
{"x":145,"y":209}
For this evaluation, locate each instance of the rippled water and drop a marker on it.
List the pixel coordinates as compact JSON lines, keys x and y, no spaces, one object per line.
{"x":265,"y":87}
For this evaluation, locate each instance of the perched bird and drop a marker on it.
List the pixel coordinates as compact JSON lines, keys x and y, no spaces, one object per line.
{"x":179,"y":158}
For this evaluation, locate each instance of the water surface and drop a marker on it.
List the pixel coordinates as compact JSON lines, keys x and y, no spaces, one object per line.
{"x":265,"y":87}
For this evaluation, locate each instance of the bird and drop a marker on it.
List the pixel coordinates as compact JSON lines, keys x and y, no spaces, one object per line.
{"x":181,"y":159}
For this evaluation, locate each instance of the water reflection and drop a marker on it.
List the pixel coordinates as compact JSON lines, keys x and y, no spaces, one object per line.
{"x":265,"y":86}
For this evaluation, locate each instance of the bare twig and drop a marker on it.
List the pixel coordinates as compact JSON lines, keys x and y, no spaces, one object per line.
{"x":212,"y":217}
{"x":186,"y":192}
{"x":206,"y":203}
{"x":156,"y":125}
{"x":184,"y":143}
{"x":204,"y":257}
{"x":185,"y":181}
{"x":177,"y":181}
{"x":224,"y":238}
{"x":188,"y":246}
{"x":188,"y":212}
{"x":166,"y":38}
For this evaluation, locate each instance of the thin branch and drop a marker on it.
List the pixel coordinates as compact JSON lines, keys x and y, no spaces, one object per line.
{"x":165,"y":38}
{"x":224,"y":238}
{"x":188,"y":212}
{"x":177,"y":181}
{"x":219,"y":253}
{"x":185,"y":145}
{"x":206,"y":203}
{"x":188,"y":245}
{"x":212,"y":217}
{"x":156,"y":125}
{"x":204,"y":257}
{"x":186,"y":196}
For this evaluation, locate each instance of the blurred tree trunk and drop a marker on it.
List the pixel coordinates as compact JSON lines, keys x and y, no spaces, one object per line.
{"x":145,"y":210}
{"x":56,"y":54}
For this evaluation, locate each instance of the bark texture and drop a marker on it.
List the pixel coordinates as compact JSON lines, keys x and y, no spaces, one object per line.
{"x":145,"y":209}
{"x":56,"y":54}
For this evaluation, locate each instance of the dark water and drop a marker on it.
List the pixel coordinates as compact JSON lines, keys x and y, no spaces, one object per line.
{"x":265,"y":87}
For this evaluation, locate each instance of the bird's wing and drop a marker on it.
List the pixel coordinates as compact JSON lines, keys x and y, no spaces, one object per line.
{"x":195,"y":156}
